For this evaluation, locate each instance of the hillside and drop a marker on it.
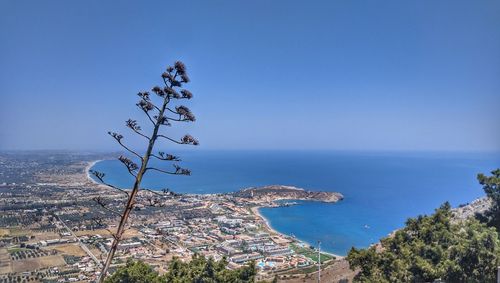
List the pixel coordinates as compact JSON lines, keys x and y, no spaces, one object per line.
{"x":277,"y":192}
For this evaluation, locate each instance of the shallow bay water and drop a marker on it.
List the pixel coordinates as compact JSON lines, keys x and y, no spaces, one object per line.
{"x":381,"y":189}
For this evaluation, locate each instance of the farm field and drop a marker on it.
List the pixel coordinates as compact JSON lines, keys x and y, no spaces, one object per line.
{"x":70,"y":249}
{"x":37,"y":263}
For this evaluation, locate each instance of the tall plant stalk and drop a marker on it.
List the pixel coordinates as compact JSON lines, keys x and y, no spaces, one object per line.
{"x":174,"y":78}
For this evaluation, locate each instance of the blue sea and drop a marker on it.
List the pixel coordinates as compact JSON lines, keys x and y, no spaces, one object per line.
{"x":381,"y":189}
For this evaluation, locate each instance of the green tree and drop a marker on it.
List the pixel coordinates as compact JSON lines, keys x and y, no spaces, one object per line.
{"x":201,"y":270}
{"x":429,"y":248}
{"x":491,"y":186}
{"x":198,"y":270}
{"x":134,"y":271}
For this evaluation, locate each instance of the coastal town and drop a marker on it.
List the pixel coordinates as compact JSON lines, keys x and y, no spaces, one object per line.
{"x":56,"y":225}
{"x":249,"y":141}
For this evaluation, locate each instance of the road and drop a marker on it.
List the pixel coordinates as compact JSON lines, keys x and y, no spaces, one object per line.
{"x":82,"y":245}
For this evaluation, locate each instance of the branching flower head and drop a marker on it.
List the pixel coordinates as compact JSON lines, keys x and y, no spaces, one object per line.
{"x":188,"y":139}
{"x":167,"y":75}
{"x":186,"y":94}
{"x":97,"y":174}
{"x":133,"y":125}
{"x":131,"y":166}
{"x":180,"y":67}
{"x":169,"y":157}
{"x":146,"y":106}
{"x":116,"y":136}
{"x":171,"y":92}
{"x":163,"y":120}
{"x":158,"y":114}
{"x":176,"y":83}
{"x":144,"y":95}
{"x":181,"y":171}
{"x":185,"y":78}
{"x":158,"y":91}
{"x":185,"y":113}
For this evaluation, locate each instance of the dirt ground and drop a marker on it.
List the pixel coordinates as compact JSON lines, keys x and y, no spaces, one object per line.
{"x":71,"y":249}
{"x":5,"y":265}
{"x":15,"y":232}
{"x":332,"y":274}
{"x":37,"y":263}
{"x":4,"y":232}
{"x":129,"y":233}
{"x":42,"y":236}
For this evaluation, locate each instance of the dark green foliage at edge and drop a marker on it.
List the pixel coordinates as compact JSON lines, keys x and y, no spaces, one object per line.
{"x":198,"y":270}
{"x":431,"y":248}
{"x":491,"y":186}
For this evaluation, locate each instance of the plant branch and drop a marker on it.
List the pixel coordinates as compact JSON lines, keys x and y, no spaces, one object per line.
{"x":162,"y":171}
{"x":166,"y":157}
{"x":186,"y":139}
{"x":129,"y":150}
{"x":104,"y":205}
{"x":119,"y":138}
{"x":100,"y":177}
{"x":170,"y":139}
{"x":132,"y":124}
{"x":178,"y":170}
{"x":169,"y":78}
{"x":149,"y":117}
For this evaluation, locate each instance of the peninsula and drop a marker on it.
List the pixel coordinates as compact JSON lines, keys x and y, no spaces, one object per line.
{"x":280,"y":192}
{"x":56,"y":220}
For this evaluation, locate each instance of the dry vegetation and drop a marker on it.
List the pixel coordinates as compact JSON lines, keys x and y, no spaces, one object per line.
{"x":333,"y":273}
{"x":37,"y":263}
{"x":4,"y":232}
{"x":129,"y":233}
{"x":70,"y":249}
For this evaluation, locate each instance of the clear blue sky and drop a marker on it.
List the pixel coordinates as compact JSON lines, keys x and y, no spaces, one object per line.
{"x":367,"y":75}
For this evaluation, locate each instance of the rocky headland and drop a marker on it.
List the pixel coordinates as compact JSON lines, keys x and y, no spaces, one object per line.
{"x":279,"y":192}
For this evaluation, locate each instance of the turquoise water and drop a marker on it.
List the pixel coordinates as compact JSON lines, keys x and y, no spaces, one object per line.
{"x":381,"y":189}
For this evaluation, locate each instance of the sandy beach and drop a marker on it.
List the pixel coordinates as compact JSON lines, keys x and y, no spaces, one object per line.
{"x":255,"y":210}
{"x":87,"y":171}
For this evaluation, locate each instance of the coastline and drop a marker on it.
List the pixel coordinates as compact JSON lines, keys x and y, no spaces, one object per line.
{"x":255,"y":211}
{"x":89,"y":166}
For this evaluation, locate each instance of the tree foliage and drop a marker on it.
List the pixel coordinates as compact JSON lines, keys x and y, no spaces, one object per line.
{"x":198,"y":270}
{"x":491,"y":186}
{"x":429,"y":248}
{"x":133,"y":271}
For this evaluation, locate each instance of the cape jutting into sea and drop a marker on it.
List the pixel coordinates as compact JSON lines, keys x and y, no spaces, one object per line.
{"x":381,"y":189}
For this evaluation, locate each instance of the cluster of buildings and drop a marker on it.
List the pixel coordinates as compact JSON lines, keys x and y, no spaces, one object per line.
{"x":48,"y":211}
{"x":228,"y":230}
